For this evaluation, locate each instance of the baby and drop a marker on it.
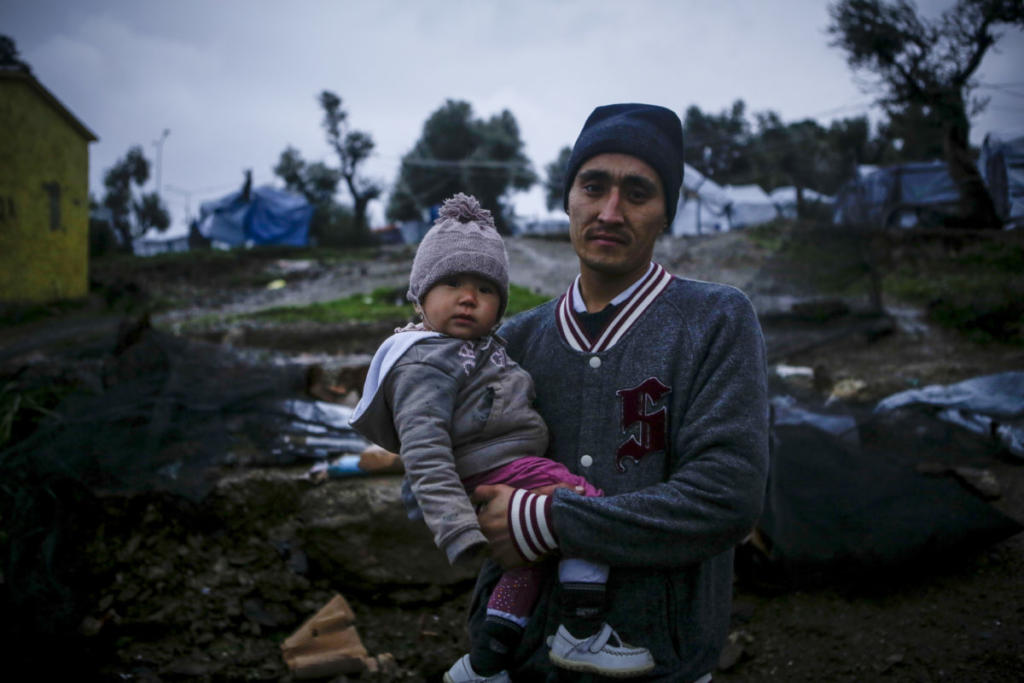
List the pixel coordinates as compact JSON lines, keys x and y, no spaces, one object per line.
{"x":445,"y":396}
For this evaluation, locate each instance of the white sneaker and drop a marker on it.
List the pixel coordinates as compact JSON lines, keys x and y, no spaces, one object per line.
{"x":603,"y":653}
{"x":462,"y":672}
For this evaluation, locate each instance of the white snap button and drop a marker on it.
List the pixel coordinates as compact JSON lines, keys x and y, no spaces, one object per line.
{"x":586,"y":461}
{"x":595,"y":362}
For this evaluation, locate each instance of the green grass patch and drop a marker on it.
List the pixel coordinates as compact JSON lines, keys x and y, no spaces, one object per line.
{"x":968,"y":281}
{"x":771,"y":236}
{"x":522,"y":299}
{"x":975,"y":287}
{"x":819,"y":258}
{"x":379,"y":305}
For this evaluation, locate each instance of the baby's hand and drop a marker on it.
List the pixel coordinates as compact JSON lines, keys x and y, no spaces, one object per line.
{"x":549,"y":490}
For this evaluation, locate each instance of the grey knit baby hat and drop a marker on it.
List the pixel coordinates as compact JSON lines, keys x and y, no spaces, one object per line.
{"x":462,"y":240}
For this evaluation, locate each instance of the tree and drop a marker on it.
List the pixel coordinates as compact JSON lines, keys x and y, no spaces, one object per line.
{"x":931,"y":65}
{"x":554,"y":185}
{"x":9,"y":55}
{"x":914,"y":134}
{"x":317,"y":182}
{"x":718,"y":145}
{"x":457,"y":152}
{"x":132,"y":212}
{"x":353,"y":147}
{"x":332,"y":224}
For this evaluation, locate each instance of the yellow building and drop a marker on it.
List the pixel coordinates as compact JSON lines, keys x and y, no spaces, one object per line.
{"x":44,"y":194}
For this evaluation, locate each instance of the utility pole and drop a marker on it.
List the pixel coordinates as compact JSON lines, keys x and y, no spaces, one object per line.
{"x":187,"y":194}
{"x":159,"y":144}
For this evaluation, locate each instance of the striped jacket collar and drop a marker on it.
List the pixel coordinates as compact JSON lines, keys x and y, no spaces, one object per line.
{"x":643,"y":294}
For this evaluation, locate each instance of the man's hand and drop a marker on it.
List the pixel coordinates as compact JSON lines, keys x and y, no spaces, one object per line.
{"x":491,"y":503}
{"x":549,"y":490}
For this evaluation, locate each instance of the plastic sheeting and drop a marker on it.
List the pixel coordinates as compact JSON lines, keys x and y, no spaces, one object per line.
{"x":1002,"y":165}
{"x":706,"y":207}
{"x":264,"y":215}
{"x":884,"y":195}
{"x":847,"y":497}
{"x":991,"y":406}
{"x":170,"y":413}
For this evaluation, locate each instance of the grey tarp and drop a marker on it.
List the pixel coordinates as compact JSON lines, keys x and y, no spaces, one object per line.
{"x":846,"y":497}
{"x":991,"y":405}
{"x":1002,"y":165}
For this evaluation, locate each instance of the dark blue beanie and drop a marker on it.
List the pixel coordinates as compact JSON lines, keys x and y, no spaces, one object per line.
{"x":646,"y":131}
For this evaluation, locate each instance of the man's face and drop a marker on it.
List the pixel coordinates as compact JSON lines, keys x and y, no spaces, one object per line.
{"x":616,"y":212}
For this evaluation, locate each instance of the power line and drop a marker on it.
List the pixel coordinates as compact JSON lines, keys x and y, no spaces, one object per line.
{"x":855,"y":106}
{"x":466,"y":163}
{"x":1005,"y":90}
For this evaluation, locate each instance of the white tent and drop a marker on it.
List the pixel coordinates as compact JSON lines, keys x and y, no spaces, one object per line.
{"x":702,"y":205}
{"x":706,"y":207}
{"x":1002,"y":165}
{"x":748,"y":205}
{"x":784,"y":199}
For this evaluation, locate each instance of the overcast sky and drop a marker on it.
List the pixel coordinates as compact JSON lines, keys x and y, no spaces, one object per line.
{"x":235,"y":81}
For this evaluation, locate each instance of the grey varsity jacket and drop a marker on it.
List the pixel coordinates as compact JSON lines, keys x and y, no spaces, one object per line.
{"x":451,"y":409}
{"x":666,"y":411}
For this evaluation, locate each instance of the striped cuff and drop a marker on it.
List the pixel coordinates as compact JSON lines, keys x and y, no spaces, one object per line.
{"x":529,"y":519}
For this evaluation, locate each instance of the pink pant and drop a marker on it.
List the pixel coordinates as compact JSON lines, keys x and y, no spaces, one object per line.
{"x":531,"y":472}
{"x":516,"y":592}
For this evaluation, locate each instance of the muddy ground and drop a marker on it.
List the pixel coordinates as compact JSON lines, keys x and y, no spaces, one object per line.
{"x":169,"y":592}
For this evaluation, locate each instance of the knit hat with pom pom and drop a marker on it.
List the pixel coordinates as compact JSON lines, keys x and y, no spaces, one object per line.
{"x":462,"y":240}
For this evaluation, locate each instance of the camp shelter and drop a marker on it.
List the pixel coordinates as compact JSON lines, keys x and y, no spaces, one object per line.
{"x":785,"y":200}
{"x":44,"y":193}
{"x":706,"y":207}
{"x":256,"y":216}
{"x":903,"y":195}
{"x":1002,"y":165}
{"x":701,"y":207}
{"x":153,"y":243}
{"x":748,"y":205}
{"x":552,"y":224}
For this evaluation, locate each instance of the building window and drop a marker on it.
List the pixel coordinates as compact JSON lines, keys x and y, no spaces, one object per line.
{"x":52,"y":190}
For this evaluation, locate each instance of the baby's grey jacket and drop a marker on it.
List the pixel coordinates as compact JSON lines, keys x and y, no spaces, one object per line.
{"x":453,"y":408}
{"x":672,"y":423}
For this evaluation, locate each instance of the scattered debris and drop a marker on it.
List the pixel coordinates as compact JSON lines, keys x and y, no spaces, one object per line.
{"x":328,"y":644}
{"x":373,"y":460}
{"x":735,"y":650}
{"x":846,"y":389}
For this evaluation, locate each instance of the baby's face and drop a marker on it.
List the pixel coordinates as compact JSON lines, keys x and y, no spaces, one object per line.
{"x":463,"y":306}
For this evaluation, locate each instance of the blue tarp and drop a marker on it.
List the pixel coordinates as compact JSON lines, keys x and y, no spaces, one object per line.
{"x":266,"y":216}
{"x":897,"y":195}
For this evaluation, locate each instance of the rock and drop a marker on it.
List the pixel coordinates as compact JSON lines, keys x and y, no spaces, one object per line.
{"x":355,"y":529}
{"x":734,"y":650}
{"x":358,"y":529}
